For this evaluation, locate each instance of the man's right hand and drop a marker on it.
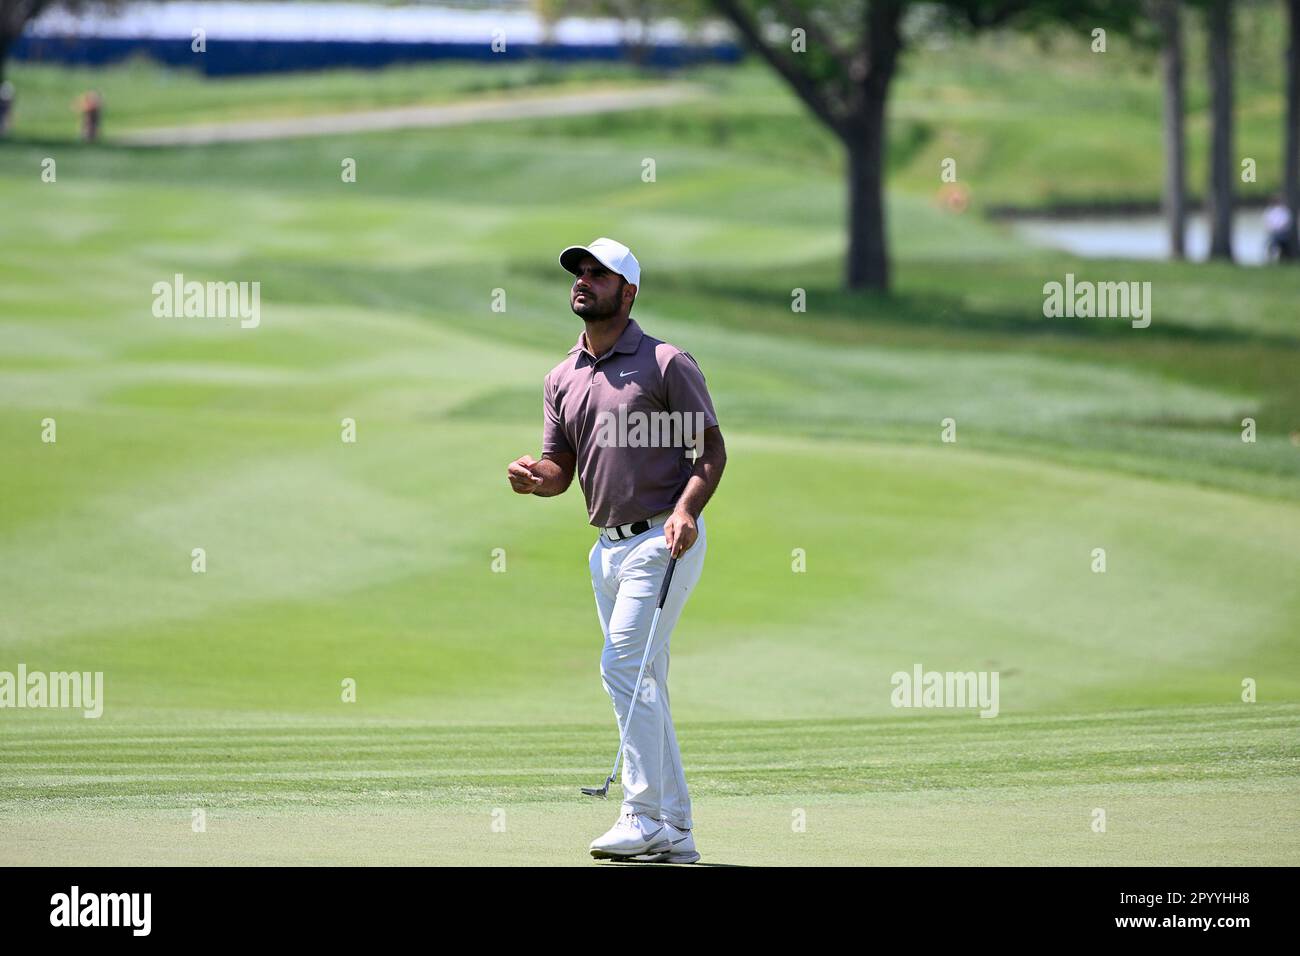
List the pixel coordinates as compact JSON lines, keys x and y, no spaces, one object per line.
{"x":521,"y":475}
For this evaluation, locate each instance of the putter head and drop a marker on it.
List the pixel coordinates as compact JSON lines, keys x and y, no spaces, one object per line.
{"x":602,"y":792}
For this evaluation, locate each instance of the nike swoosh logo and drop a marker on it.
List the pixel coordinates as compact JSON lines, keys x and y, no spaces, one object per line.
{"x":626,"y":374}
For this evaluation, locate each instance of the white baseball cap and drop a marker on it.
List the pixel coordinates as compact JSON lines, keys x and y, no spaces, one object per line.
{"x":613,"y":255}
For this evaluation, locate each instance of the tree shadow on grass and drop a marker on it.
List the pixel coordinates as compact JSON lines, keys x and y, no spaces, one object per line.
{"x":939,"y":311}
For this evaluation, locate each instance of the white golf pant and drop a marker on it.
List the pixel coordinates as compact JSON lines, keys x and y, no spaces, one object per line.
{"x":626,"y":576}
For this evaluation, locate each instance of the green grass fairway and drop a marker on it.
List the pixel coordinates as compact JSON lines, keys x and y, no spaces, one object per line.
{"x":1189,"y":786}
{"x":479,"y":709}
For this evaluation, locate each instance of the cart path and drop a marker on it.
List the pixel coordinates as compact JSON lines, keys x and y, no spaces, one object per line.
{"x":411,"y":117}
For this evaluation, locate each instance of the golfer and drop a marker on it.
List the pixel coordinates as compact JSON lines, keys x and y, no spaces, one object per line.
{"x":632,"y":416}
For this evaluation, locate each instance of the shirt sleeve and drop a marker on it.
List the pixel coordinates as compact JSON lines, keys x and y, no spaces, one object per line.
{"x":553,"y":439}
{"x":685,"y":389}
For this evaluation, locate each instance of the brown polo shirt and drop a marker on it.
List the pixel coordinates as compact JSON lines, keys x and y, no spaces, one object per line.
{"x":632,"y":418}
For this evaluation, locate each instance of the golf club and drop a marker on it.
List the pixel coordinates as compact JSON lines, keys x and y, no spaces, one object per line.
{"x":636,"y":688}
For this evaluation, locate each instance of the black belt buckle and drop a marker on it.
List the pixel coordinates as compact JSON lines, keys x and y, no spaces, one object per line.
{"x":634,"y":529}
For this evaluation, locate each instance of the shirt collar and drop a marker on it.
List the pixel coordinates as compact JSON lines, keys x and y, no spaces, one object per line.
{"x":629,"y":341}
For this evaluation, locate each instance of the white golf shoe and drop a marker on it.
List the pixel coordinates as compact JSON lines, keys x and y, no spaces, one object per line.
{"x":634,"y":833}
{"x":681,"y":848}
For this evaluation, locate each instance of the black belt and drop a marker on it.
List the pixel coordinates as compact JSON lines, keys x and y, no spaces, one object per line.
{"x":624,"y":531}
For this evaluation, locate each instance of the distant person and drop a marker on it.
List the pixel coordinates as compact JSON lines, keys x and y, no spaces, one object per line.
{"x":6,"y":105}
{"x":954,"y":197}
{"x":1277,"y":223}
{"x":91,"y":106}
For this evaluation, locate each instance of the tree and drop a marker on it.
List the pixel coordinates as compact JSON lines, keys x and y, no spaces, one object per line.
{"x":840,"y":57}
{"x":1219,"y":197}
{"x":1167,"y":15}
{"x":846,"y":88}
{"x":1291,"y":135}
{"x":16,"y":14}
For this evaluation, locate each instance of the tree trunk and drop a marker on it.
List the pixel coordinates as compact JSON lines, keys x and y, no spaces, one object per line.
{"x":1174,"y":201}
{"x":1218,"y":22}
{"x":867,"y":266}
{"x":1291,"y":136}
{"x":14,"y":17}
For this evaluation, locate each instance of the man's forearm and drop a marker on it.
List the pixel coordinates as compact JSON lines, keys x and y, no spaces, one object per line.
{"x":703,"y":482}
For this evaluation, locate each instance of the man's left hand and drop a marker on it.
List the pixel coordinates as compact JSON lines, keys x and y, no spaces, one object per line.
{"x":680,"y":533}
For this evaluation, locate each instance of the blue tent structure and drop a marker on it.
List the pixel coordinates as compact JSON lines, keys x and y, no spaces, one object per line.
{"x":242,"y":38}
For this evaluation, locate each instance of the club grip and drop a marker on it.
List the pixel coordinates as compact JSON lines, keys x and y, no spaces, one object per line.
{"x":668,"y":578}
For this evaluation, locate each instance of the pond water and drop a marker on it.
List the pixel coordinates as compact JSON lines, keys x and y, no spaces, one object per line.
{"x":1142,"y":237}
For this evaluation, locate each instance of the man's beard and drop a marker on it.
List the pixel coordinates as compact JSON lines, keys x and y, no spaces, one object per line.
{"x":597,"y":310}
